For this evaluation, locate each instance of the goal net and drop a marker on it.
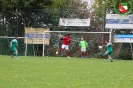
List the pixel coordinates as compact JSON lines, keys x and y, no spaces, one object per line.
{"x":94,"y":39}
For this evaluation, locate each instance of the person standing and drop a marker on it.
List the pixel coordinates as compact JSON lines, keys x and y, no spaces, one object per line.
{"x":14,"y":45}
{"x":83,"y":45}
{"x":109,"y":50}
{"x":65,"y":45}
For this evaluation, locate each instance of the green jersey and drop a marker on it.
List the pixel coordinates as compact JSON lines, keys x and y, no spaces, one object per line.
{"x":14,"y":43}
{"x":109,"y":47}
{"x":83,"y":44}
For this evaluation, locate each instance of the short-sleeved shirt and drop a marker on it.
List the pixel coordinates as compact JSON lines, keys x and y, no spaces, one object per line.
{"x":66,"y":40}
{"x":83,"y":44}
{"x":109,"y":47}
{"x":14,"y":43}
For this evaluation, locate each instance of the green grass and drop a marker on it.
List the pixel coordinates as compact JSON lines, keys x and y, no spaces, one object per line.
{"x":57,"y":72}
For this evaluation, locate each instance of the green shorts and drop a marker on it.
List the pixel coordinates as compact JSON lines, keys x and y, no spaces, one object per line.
{"x":110,"y":52}
{"x":14,"y":48}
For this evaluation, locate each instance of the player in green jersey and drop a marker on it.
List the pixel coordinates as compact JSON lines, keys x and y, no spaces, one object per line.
{"x":109,"y":51}
{"x":83,"y":44}
{"x":14,"y":45}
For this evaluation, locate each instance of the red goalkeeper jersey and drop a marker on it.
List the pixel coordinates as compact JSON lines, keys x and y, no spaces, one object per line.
{"x":66,"y":40}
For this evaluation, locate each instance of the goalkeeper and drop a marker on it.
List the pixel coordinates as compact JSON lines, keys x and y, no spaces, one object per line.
{"x":14,"y":45}
{"x":109,"y":51}
{"x":83,"y":44}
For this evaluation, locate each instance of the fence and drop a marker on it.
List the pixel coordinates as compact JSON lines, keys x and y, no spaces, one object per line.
{"x":49,"y":18}
{"x":23,"y":48}
{"x":94,"y":39}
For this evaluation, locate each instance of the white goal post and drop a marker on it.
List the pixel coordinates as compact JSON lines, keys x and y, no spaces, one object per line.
{"x":81,"y":32}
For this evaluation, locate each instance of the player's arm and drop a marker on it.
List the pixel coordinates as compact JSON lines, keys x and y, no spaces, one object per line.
{"x":69,"y":40}
{"x":79,"y":44}
{"x":16,"y":43}
{"x":86,"y":44}
{"x":61,"y":36}
{"x":10,"y":44}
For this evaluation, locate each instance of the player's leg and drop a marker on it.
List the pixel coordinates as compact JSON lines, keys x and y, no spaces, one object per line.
{"x":85,"y":53}
{"x":16,"y":52}
{"x":82,"y":53}
{"x":13,"y":52}
{"x":59,"y":50}
{"x":67,"y":51}
{"x":105,"y":54}
{"x":109,"y":56}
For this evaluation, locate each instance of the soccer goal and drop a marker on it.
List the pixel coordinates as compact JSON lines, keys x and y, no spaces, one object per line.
{"x":94,"y":39}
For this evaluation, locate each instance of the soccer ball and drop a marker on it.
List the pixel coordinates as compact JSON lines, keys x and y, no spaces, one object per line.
{"x":100,"y":47}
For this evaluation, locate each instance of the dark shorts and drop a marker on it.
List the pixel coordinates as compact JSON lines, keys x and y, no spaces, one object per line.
{"x":110,"y":52}
{"x":14,"y":48}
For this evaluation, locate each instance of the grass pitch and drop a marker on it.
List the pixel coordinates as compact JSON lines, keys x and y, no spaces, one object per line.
{"x":57,"y":72}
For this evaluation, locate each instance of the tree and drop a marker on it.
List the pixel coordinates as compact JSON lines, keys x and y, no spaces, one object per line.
{"x":17,"y":14}
{"x":14,"y":13}
{"x":99,"y":10}
{"x":76,"y":9}
{"x":59,"y":4}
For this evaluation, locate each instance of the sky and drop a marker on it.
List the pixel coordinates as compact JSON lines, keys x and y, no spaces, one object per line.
{"x":89,"y":2}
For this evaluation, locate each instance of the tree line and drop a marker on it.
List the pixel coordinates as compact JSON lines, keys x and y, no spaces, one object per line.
{"x":17,"y":14}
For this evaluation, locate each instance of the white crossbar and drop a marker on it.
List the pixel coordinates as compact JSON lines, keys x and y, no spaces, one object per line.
{"x":72,"y":32}
{"x":11,"y":37}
